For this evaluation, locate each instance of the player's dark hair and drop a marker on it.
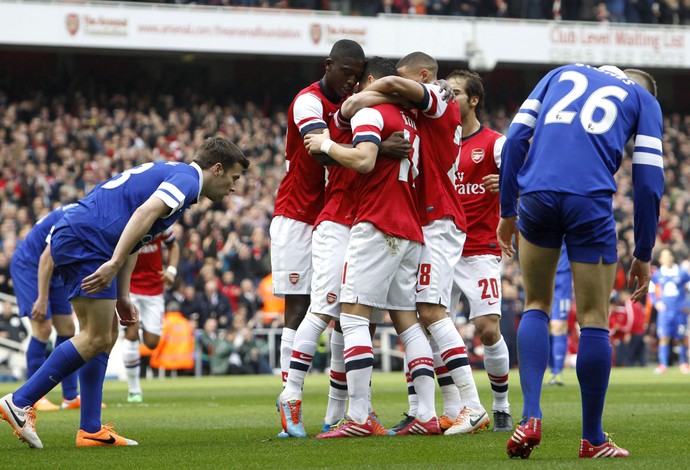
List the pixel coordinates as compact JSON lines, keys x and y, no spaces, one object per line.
{"x":418,"y":61}
{"x":473,"y":86}
{"x":642,"y":78}
{"x":347,"y":49}
{"x":378,"y":67}
{"x":219,"y":150}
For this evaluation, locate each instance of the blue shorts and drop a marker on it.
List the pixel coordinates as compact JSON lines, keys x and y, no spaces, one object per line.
{"x":25,"y":281}
{"x":671,"y":324}
{"x":74,"y":260}
{"x":562,"y":296}
{"x":586,"y":222}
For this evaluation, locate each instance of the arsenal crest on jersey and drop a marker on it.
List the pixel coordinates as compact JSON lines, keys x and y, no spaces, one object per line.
{"x":294,"y":278}
{"x":331,"y":297}
{"x":72,"y":23}
{"x":477,"y":155}
{"x":316,"y":33}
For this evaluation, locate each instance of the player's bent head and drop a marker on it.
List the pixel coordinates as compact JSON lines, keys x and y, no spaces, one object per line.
{"x":379,"y":67}
{"x":473,"y":86}
{"x":642,"y":78}
{"x":415,"y":62}
{"x":347,"y":49}
{"x":219,"y":150}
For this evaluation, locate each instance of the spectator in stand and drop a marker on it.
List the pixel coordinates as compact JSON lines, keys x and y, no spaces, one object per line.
{"x":215,"y":305}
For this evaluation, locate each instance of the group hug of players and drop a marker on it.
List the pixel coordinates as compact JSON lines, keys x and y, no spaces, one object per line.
{"x":390,"y":202}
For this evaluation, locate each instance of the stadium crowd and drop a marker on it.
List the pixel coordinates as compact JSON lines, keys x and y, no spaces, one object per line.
{"x":621,"y":11}
{"x":54,"y":150}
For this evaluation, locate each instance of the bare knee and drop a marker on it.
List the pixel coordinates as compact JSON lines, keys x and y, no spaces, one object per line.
{"x":41,"y":330}
{"x":430,"y":314}
{"x":558,"y":327}
{"x":295,"y":309}
{"x":488,"y":329}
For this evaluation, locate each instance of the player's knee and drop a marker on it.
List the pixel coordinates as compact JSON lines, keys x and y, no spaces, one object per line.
{"x":488,"y":329}
{"x":151,"y":342}
{"x":41,"y":330}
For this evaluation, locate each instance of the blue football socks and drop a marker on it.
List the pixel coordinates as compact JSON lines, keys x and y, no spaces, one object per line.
{"x":63,"y":361}
{"x":91,"y":378}
{"x":559,"y":347}
{"x":533,"y":357}
{"x":593,"y":371}
{"x":69,"y":383}
{"x":35,"y":356}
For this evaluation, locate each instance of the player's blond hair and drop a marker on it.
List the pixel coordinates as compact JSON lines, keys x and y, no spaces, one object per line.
{"x":642,"y":78}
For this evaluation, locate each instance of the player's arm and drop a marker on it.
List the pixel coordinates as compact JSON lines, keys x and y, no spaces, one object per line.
{"x":137,"y":227}
{"x":410,"y":90}
{"x":170,"y":272}
{"x":516,"y":145}
{"x":369,"y":98}
{"x":648,"y":187}
{"x":360,"y":158}
{"x":45,"y":271}
{"x":126,"y":310}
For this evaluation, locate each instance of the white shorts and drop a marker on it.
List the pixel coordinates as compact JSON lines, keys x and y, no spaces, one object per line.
{"x":290,"y":256}
{"x":380,"y":271}
{"x":443,"y":243}
{"x":329,"y":243}
{"x":479,"y":278}
{"x":151,"y":309}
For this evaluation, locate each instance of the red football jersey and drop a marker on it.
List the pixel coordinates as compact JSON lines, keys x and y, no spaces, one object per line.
{"x":300,"y":195}
{"x":339,"y":201}
{"x":440,"y":129}
{"x":146,"y":279}
{"x":386,"y":196}
{"x":480,"y":156}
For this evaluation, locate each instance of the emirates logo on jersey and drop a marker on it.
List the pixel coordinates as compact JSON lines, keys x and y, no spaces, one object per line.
{"x":294,"y":278}
{"x":331,"y":297}
{"x":477,"y":155}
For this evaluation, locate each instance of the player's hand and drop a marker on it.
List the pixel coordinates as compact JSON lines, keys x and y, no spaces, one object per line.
{"x":127,"y":311}
{"x":507,"y":227}
{"x":39,"y":310}
{"x":101,"y":279}
{"x":167,"y":277}
{"x":312,"y":142}
{"x":491,"y":183}
{"x":640,"y":274}
{"x":396,"y":146}
{"x":446,"y":90}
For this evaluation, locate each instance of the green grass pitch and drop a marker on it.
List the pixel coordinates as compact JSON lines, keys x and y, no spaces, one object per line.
{"x":231,"y":422}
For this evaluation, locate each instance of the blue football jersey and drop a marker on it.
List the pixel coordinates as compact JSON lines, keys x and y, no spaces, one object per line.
{"x":669,"y":286}
{"x":100,"y":218}
{"x":580,"y":118}
{"x":31,"y":249}
{"x":563,"y":263}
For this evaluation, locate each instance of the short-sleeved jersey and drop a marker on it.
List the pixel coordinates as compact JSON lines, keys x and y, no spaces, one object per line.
{"x":30,"y":250}
{"x":100,"y":218}
{"x":669,"y":286}
{"x":480,"y":155}
{"x":301,"y":193}
{"x":146,"y":278}
{"x":440,"y":131}
{"x":339,"y":200}
{"x":386,"y":197}
{"x":580,"y":118}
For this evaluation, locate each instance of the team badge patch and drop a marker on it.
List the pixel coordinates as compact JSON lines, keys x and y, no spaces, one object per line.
{"x":294,"y":278}
{"x":477,"y":155}
{"x":72,"y":23}
{"x":315,"y":32}
{"x":331,"y":297}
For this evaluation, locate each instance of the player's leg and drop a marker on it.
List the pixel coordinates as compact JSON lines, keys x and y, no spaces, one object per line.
{"x":664,"y":329}
{"x":593,"y":284}
{"x":681,"y":327}
{"x":65,"y":329}
{"x":291,"y":254}
{"x":91,"y":377}
{"x":483,"y":281}
{"x":329,"y":242}
{"x":337,"y":389}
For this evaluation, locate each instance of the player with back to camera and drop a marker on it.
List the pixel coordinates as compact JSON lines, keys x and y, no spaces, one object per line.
{"x":579,"y":119}
{"x":94,"y":248}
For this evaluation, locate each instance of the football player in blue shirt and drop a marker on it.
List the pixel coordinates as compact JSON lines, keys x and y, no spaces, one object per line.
{"x":670,"y":302}
{"x":45,"y":306}
{"x":558,"y":325}
{"x":94,"y":248}
{"x":579,"y":119}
